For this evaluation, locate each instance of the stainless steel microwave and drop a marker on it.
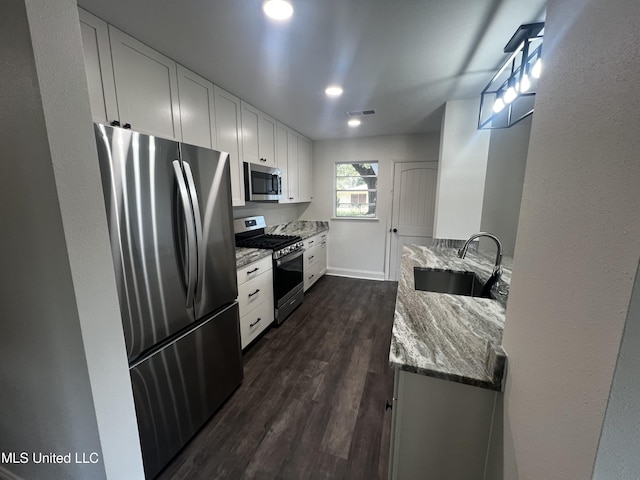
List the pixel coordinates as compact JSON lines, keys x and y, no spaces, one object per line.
{"x":262,"y":183}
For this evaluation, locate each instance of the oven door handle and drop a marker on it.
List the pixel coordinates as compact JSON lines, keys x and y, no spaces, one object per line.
{"x":289,"y":257}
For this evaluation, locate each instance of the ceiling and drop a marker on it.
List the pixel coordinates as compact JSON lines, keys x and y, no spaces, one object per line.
{"x":402,"y":58}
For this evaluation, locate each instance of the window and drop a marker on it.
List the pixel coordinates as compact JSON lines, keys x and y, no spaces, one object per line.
{"x":356,"y":189}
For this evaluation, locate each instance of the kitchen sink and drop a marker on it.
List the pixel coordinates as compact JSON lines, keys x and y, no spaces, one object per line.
{"x":449,"y":281}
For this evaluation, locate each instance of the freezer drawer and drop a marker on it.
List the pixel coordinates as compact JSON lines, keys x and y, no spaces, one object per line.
{"x":179,"y":387}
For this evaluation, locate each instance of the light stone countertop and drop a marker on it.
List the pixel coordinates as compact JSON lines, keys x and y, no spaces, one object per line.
{"x":245,"y":256}
{"x":302,"y":228}
{"x":452,"y":337}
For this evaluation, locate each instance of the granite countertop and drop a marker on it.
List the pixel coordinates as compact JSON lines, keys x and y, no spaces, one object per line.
{"x":303,"y":228}
{"x":452,"y":337}
{"x":245,"y":256}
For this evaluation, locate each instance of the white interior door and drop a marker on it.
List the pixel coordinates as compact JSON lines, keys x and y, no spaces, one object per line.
{"x":414,"y":197}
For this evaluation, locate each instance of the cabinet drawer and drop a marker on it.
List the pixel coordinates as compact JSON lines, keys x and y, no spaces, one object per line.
{"x":312,"y":274}
{"x":255,"y":291}
{"x":256,"y":321}
{"x":311,"y":256}
{"x":254,"y":269}
{"x":311,"y":242}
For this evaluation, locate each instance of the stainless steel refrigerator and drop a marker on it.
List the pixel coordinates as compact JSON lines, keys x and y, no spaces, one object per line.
{"x":171,"y":226}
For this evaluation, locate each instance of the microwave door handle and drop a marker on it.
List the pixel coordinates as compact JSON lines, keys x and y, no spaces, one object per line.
{"x":191,"y":231}
{"x":200,"y":247}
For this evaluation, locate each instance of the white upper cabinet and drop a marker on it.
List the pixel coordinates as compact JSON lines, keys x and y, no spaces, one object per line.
{"x":197,"y":114}
{"x":146,"y":87}
{"x":287,"y":162}
{"x":293,"y":167}
{"x":258,"y":136}
{"x":134,"y":86}
{"x":293,"y":154}
{"x":267,"y":140}
{"x":97,"y":61}
{"x":281,"y":159}
{"x":227,"y":112}
{"x":306,"y":170}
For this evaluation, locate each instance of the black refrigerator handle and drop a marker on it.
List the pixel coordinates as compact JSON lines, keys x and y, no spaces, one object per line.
{"x":200,"y":246}
{"x":192,"y":259}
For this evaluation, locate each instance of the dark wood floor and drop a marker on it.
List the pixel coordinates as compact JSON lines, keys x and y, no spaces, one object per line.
{"x":312,"y":403}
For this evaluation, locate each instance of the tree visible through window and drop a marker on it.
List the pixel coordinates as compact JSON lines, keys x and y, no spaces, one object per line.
{"x":356,"y":189}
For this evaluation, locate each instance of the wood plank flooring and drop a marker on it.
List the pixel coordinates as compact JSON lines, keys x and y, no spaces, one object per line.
{"x":312,"y":403}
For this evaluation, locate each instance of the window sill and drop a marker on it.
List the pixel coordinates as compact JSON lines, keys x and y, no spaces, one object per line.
{"x":357,"y":219}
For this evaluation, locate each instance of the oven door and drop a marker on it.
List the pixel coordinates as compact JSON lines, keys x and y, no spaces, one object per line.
{"x":262,"y":183}
{"x":287,"y":275}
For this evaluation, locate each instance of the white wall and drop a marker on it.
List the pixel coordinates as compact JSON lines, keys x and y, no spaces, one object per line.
{"x":358,"y":247}
{"x":506,"y":163}
{"x":63,"y":369}
{"x":461,"y":173}
{"x":618,"y":457}
{"x":578,"y":241}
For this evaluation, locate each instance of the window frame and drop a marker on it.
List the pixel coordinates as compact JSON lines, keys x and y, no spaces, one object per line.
{"x":336,"y":190}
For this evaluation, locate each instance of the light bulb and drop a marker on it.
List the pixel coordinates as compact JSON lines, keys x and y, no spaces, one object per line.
{"x":510,"y":95}
{"x":498,"y":105}
{"x":333,"y":91}
{"x":354,"y":122}
{"x":525,"y":84}
{"x":537,"y":68}
{"x":277,"y":9}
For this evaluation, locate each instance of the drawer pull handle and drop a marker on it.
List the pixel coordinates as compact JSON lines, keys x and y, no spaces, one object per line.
{"x":311,"y":257}
{"x":311,"y":277}
{"x":254,"y":293}
{"x":324,"y":242}
{"x":311,"y":242}
{"x":253,"y":271}
{"x":255,"y":323}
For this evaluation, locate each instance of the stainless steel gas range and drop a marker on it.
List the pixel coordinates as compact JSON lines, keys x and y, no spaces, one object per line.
{"x":288,"y":283}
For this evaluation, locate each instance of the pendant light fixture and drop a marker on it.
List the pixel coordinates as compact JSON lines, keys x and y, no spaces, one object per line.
{"x":509,"y":97}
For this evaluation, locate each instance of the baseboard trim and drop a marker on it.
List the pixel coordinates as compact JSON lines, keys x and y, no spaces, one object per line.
{"x":363,"y":274}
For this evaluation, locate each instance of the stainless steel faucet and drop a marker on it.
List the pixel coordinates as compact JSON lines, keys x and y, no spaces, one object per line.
{"x":497,"y":269}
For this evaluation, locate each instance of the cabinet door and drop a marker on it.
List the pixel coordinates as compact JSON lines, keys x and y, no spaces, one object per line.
{"x":250,"y":143}
{"x":146,"y":87}
{"x":306,"y":171}
{"x":267,"y":140}
{"x":97,"y":63}
{"x":322,"y":253}
{"x":282,"y":148}
{"x":227,"y":113}
{"x":293,"y":168}
{"x":197,"y":114}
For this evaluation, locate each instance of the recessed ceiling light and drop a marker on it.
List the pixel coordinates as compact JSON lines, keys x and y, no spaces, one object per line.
{"x":354,"y":122}
{"x":277,"y":9}
{"x":333,"y":91}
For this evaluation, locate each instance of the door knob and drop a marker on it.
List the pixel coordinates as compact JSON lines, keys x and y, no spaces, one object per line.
{"x":395,"y":230}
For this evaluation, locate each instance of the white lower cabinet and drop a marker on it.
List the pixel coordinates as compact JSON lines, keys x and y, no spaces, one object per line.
{"x":440,"y":429}
{"x":255,"y":299}
{"x":315,"y":259}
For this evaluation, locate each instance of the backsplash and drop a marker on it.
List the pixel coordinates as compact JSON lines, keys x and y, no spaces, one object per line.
{"x":274,"y":213}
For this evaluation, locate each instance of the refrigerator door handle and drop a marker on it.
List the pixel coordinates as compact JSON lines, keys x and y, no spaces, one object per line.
{"x":191,"y":232}
{"x":200,"y":245}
